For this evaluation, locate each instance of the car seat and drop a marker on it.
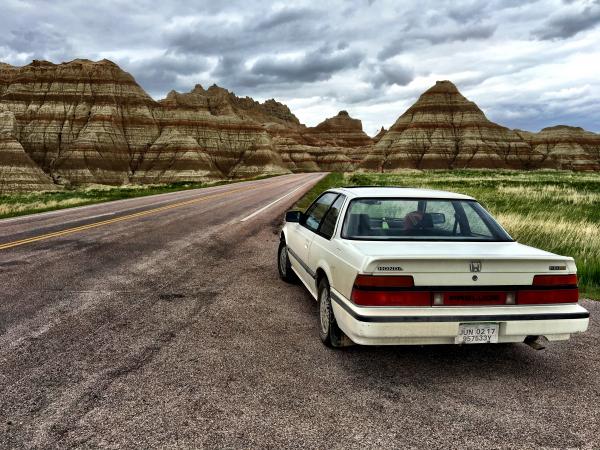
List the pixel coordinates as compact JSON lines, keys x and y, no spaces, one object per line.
{"x":426,"y":221}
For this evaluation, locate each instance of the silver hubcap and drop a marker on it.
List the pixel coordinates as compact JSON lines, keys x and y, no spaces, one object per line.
{"x":283,"y":260}
{"x":324,"y":311}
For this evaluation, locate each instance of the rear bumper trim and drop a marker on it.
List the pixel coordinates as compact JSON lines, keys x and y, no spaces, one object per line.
{"x":458,"y":318}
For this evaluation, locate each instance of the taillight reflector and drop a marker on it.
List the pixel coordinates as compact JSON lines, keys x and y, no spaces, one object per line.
{"x":555,"y":280}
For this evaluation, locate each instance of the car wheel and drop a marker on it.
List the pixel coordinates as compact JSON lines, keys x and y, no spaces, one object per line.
{"x":283,"y":263}
{"x":329,"y":332}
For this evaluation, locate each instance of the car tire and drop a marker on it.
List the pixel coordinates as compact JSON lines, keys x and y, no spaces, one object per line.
{"x":330,"y":333}
{"x":283,"y":264}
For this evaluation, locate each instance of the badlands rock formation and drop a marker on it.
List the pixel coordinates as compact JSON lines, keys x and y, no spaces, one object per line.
{"x":336,"y":144}
{"x":90,"y":122}
{"x":80,"y":121}
{"x":566,"y":147}
{"x":18,"y":172}
{"x":379,"y":135}
{"x":445,"y":130}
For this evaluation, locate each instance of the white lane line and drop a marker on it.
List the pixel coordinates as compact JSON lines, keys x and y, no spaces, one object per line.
{"x":275,"y":201}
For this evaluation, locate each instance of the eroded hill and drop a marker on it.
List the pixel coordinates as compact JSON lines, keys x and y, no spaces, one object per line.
{"x":85,"y":122}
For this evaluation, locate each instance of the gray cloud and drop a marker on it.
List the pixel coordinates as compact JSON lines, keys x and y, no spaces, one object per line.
{"x":285,"y":17}
{"x":319,"y":57}
{"x":165,"y":70}
{"x":388,"y":74}
{"x":41,"y":43}
{"x":538,"y":116}
{"x":567,"y":24}
{"x":315,"y":65}
{"x":478,"y":31}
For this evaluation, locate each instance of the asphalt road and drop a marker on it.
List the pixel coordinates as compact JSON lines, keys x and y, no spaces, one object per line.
{"x":126,"y":325}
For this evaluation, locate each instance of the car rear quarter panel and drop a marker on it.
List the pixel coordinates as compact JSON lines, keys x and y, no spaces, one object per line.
{"x":348,"y":263}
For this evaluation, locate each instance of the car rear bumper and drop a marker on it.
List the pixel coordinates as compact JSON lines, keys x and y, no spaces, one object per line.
{"x":440,"y":325}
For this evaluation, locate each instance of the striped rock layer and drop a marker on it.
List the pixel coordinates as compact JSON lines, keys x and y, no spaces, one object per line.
{"x":565,"y":147}
{"x":445,"y":130}
{"x":80,"y":121}
{"x":18,"y":172}
{"x":336,"y":144}
{"x":90,"y":122}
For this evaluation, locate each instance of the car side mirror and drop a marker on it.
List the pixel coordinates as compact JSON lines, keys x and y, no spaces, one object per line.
{"x":438,"y":218}
{"x":293,"y":216}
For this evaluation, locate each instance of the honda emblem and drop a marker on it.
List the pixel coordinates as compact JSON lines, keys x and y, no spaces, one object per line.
{"x":475,"y":266}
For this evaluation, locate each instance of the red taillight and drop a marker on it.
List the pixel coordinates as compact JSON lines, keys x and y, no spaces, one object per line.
{"x":555,"y":280}
{"x":372,"y":290}
{"x":565,"y":290}
{"x":548,"y":296}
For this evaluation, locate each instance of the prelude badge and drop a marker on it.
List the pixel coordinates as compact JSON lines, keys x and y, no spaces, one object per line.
{"x":389,"y":268}
{"x":475,"y":266}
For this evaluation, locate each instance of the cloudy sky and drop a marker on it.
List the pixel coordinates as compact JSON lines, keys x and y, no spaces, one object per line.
{"x":526,"y":64}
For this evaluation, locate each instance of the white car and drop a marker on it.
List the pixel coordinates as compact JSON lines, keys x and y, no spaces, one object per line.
{"x":416,"y":266}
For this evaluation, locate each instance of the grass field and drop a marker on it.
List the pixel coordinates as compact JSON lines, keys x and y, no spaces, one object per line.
{"x":20,"y":204}
{"x":555,"y":211}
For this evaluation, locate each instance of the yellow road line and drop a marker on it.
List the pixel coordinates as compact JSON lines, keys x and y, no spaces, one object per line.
{"x":117,"y":219}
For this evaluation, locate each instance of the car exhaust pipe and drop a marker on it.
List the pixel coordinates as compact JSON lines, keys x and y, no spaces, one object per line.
{"x":536,"y":342}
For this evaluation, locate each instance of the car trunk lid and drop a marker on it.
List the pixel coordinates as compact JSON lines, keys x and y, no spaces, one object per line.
{"x":464,"y":273}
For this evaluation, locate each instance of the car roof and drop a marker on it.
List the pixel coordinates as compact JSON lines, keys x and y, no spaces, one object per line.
{"x":399,"y":192}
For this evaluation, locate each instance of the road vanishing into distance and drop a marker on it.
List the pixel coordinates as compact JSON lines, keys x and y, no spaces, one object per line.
{"x":161,"y":322}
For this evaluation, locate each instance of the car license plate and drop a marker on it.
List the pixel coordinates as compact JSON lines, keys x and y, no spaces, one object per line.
{"x":477,"y":333}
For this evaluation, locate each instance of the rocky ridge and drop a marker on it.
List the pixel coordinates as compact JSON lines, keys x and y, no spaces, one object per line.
{"x":90,"y":122}
{"x":18,"y":172}
{"x":444,"y":130}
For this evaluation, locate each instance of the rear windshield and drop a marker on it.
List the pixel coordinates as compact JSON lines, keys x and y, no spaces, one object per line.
{"x":420,"y":219}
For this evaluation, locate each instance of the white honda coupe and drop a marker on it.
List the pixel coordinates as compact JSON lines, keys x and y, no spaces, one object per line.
{"x":416,"y":266}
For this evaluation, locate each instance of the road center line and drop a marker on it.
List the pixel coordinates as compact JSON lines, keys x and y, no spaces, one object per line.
{"x":134,"y":215}
{"x":275,"y":201}
{"x":117,"y":219}
{"x":163,"y":198}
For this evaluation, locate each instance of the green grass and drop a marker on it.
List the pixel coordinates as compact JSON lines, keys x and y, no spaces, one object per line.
{"x":12,"y":205}
{"x":331,"y":180}
{"x":552,"y":210}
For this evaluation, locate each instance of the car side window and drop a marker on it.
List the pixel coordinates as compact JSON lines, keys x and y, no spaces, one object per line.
{"x":314,"y":215}
{"x":328,"y":224}
{"x":476,"y":224}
